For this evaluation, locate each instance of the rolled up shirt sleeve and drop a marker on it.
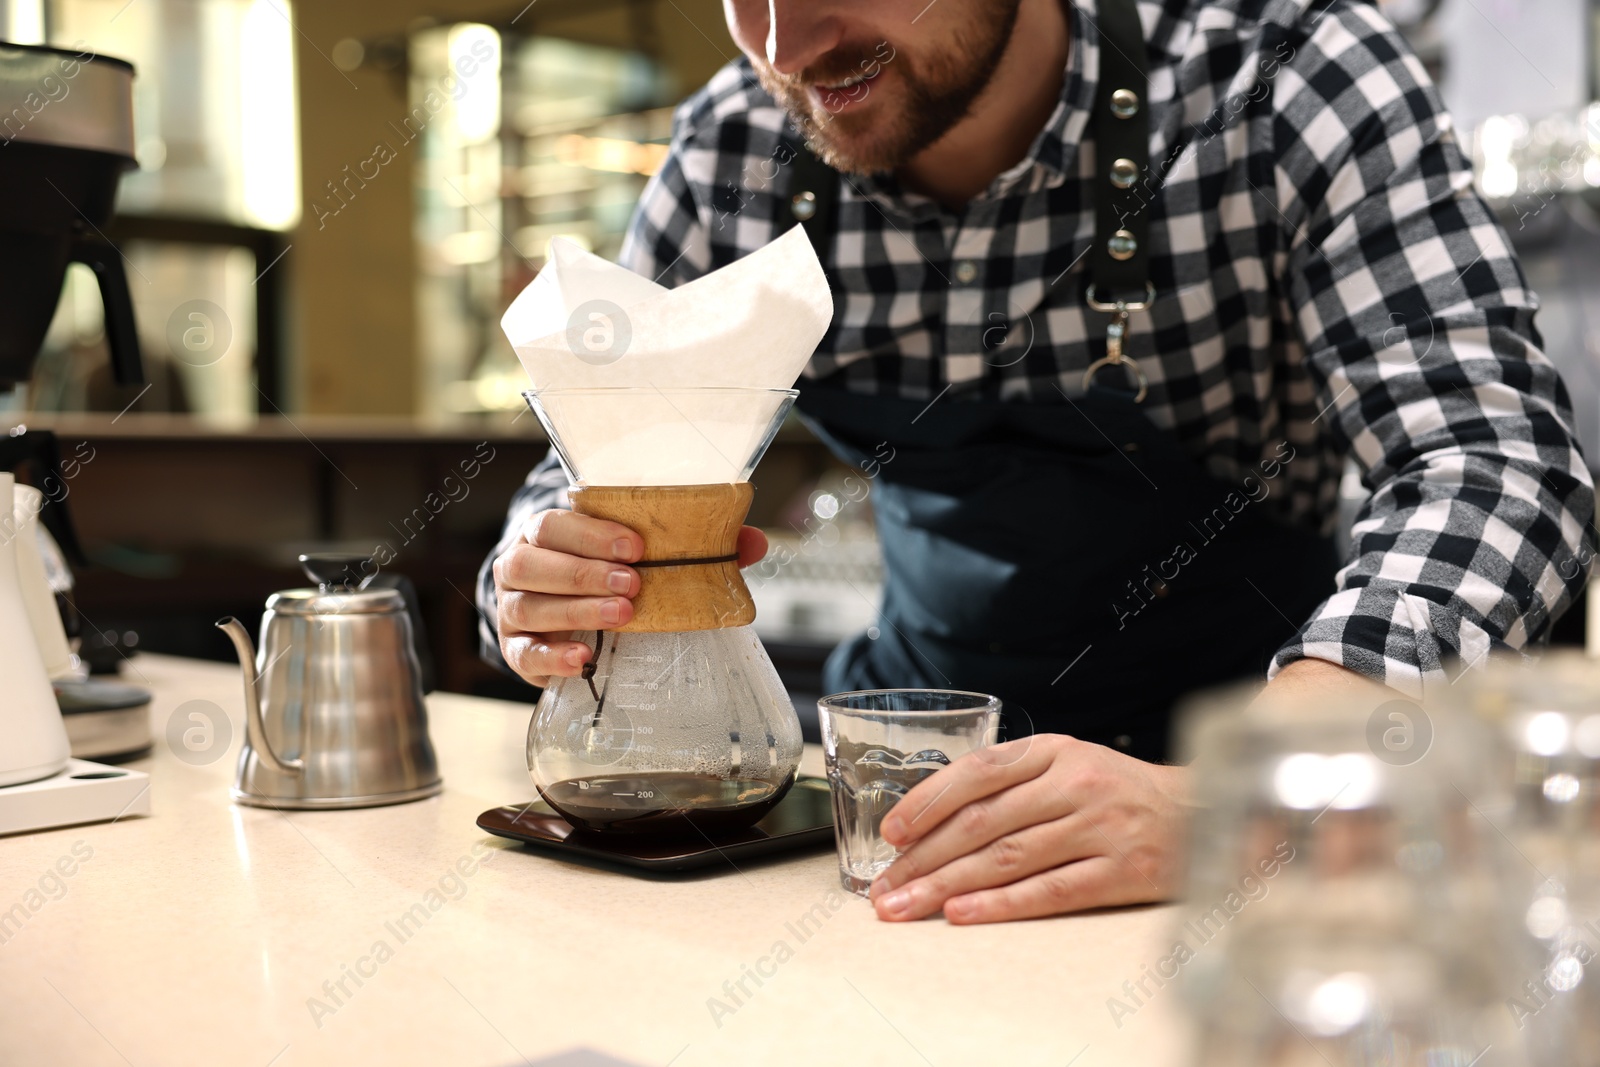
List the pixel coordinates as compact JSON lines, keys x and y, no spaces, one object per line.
{"x":1418,"y":326}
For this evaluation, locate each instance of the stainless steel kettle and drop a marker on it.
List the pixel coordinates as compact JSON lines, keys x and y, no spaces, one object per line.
{"x":334,"y":716}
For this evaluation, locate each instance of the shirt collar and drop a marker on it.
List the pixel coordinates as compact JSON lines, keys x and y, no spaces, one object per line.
{"x":1056,"y":147}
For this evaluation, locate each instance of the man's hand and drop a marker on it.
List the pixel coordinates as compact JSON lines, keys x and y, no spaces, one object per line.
{"x":567,"y":573}
{"x":1037,"y":826}
{"x":1048,"y":824}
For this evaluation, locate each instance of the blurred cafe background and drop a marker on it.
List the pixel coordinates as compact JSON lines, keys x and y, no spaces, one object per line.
{"x":321,"y":237}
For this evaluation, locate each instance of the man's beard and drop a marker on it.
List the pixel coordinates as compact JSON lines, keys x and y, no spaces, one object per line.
{"x":935,"y":92}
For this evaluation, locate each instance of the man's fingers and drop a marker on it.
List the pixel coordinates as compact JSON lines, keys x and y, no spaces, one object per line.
{"x":981,"y":823}
{"x":582,"y":535}
{"x":1118,"y":841}
{"x":1090,"y":883}
{"x":973,"y":776}
{"x":538,"y":659}
{"x":538,"y":613}
{"x":541,"y":570}
{"x":1008,"y":858}
{"x":752,"y":545}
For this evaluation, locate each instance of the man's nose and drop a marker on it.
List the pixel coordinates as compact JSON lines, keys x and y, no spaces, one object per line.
{"x":799,"y":32}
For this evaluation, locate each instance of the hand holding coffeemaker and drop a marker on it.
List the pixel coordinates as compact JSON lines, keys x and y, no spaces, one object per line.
{"x":675,"y":720}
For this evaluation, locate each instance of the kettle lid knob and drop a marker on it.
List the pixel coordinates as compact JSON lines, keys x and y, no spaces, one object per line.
{"x":334,"y":572}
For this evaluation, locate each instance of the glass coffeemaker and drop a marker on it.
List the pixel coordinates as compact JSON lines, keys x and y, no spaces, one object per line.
{"x":679,"y":724}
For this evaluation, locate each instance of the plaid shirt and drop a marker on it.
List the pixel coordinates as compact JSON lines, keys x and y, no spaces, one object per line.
{"x":1328,"y":285}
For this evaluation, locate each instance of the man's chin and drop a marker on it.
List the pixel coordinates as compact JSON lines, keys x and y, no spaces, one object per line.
{"x":852,"y":152}
{"x":849,"y":142}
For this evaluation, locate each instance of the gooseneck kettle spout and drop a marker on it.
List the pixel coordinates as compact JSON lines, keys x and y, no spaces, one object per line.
{"x":255,"y":729}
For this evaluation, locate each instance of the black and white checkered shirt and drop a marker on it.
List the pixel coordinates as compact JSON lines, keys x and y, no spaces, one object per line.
{"x":1327,"y":281}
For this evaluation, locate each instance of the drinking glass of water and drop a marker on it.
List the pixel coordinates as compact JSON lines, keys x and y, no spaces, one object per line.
{"x":878,"y":743}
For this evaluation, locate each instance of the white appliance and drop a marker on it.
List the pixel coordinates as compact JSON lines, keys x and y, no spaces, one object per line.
{"x":60,"y":170}
{"x":37,"y":596}
{"x":33,"y":739}
{"x":83,"y":792}
{"x":41,"y":786}
{"x":104,"y":720}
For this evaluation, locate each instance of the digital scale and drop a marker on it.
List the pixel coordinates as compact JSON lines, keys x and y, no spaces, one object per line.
{"x":803,"y":819}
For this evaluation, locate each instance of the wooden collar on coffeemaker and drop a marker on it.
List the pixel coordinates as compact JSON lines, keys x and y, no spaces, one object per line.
{"x":689,"y":576}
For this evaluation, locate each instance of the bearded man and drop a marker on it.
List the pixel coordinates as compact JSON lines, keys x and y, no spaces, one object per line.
{"x":1121,"y":286}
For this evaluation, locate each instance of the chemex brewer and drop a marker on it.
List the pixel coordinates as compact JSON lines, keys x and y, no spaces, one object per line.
{"x":679,"y":722}
{"x":658,"y":404}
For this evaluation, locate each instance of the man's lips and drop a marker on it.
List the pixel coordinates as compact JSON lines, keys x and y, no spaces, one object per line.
{"x":851,"y":92}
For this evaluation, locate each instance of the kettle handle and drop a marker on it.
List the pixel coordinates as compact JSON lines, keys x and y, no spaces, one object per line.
{"x":255,"y":728}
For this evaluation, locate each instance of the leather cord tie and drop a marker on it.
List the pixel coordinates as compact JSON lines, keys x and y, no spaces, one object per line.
{"x":694,"y":562}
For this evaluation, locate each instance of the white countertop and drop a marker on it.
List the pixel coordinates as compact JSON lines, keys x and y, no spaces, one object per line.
{"x":201,"y":934}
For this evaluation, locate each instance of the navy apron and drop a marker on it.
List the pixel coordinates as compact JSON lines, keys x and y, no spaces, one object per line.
{"x":1068,"y":558}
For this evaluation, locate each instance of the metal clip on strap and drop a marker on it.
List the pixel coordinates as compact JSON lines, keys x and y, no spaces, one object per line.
{"x":1119,"y":267}
{"x":1115,"y":333}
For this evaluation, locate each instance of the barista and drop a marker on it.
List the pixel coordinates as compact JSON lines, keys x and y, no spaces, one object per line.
{"x":1120,"y":293}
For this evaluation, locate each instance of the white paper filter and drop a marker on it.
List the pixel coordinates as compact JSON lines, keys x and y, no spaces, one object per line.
{"x":584,"y":323}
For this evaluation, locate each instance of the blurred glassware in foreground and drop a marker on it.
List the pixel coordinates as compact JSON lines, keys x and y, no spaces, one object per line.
{"x":1545,"y":796}
{"x":1343,"y":904}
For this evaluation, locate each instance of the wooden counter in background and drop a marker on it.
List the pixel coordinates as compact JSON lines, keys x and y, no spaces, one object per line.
{"x":185,"y":522}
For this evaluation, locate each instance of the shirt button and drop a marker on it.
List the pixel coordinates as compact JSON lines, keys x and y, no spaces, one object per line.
{"x":966,"y":270}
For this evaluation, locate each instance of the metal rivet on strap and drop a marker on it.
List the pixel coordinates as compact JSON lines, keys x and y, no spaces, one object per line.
{"x":1124,"y":103}
{"x":1124,"y":172}
{"x":804,"y":205}
{"x":1122,"y":245}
